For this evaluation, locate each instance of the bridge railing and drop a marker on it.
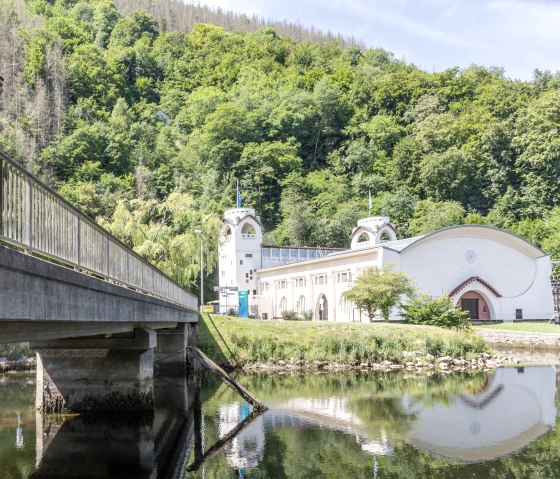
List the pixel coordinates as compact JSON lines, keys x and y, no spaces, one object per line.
{"x":36,"y":218}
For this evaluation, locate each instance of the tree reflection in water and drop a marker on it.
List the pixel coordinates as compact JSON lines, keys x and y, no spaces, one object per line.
{"x":391,"y":425}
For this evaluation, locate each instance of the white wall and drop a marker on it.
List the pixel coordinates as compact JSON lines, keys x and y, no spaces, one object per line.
{"x":517,"y":270}
{"x":338,"y":310}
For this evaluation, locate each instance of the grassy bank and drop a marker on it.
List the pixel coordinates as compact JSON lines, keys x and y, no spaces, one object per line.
{"x":530,"y":327}
{"x":244,"y":341}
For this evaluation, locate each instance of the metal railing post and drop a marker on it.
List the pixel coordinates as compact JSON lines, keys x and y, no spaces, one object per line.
{"x":107,"y":261}
{"x":1,"y":196}
{"x":78,"y":240}
{"x":29,"y":214}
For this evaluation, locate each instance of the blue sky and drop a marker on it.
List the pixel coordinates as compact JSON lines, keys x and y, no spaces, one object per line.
{"x":518,"y":35}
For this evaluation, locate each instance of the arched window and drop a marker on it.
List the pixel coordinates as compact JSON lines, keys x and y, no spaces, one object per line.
{"x":283,"y":306}
{"x":226,"y":231}
{"x":248,"y":229}
{"x":385,"y":236}
{"x":363,"y":238}
{"x":301,"y":305}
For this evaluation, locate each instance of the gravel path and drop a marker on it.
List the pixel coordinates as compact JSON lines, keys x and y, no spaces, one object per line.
{"x":524,"y":347}
{"x":522,"y":339}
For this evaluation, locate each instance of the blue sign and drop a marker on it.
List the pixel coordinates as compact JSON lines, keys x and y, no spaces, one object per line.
{"x":243,"y":304}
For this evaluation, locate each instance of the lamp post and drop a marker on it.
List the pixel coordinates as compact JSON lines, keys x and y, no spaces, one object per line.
{"x":201,"y":234}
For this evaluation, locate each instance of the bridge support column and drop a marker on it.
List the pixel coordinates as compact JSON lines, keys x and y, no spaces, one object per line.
{"x":171,"y":349}
{"x":96,"y":373}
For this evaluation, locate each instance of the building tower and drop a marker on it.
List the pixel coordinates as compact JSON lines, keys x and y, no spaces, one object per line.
{"x":239,"y":254}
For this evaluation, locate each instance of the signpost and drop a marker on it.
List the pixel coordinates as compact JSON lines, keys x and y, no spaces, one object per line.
{"x":226,"y":291}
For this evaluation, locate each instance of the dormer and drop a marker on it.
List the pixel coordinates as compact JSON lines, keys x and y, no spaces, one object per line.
{"x":372,"y":231}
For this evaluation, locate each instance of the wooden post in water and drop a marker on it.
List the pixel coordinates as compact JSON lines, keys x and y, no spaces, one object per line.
{"x":226,"y":378}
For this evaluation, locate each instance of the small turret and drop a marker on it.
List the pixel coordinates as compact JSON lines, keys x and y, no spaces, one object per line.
{"x":371,"y":231}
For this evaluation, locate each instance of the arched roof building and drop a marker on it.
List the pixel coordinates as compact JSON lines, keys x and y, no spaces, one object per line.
{"x":490,"y":272}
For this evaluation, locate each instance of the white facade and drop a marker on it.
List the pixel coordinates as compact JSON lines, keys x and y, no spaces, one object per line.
{"x":498,"y":274}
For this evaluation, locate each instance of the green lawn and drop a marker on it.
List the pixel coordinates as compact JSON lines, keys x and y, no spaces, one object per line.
{"x":251,"y":341}
{"x":530,"y":327}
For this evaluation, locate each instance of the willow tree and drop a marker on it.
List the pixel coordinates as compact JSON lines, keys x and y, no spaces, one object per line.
{"x":379,"y":289}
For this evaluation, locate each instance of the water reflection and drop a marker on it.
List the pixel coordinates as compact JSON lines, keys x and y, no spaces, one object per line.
{"x":476,"y":425}
{"x":500,"y":425}
{"x":515,"y":407}
{"x":42,"y":446}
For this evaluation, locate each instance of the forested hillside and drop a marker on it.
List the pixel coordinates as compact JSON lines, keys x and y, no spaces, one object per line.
{"x":147,"y":129}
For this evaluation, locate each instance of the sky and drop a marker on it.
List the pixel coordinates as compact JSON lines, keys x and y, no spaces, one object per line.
{"x":518,"y":35}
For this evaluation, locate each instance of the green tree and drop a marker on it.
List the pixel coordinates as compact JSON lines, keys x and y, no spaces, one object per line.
{"x":379,"y":289}
{"x":261,"y":168}
{"x":433,"y":215}
{"x":128,"y":30}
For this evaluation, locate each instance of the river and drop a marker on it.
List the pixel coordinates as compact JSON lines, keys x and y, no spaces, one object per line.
{"x":500,"y":424}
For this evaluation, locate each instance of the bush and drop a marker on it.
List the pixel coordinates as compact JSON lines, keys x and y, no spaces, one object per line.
{"x":435,"y":312}
{"x":308,"y":315}
{"x":290,"y":315}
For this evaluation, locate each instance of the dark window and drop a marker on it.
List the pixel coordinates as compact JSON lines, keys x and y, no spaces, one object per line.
{"x":240,"y":261}
{"x":518,"y":314}
{"x":246,"y":275}
{"x":471,"y":306}
{"x":254,"y":292}
{"x":248,"y":255}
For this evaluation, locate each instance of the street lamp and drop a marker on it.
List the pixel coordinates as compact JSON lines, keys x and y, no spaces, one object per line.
{"x":201,"y":234}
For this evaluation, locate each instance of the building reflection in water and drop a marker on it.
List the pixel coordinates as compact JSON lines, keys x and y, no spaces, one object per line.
{"x":515,"y":407}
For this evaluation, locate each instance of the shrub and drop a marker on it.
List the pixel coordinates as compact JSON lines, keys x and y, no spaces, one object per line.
{"x":290,"y":315}
{"x":308,"y":315}
{"x":435,"y":312}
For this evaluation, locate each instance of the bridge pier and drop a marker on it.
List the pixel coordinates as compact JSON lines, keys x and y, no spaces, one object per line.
{"x":171,"y":350}
{"x":96,"y":373}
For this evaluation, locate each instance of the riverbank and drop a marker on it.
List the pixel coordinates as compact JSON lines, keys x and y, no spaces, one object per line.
{"x":300,"y":345}
{"x":16,"y":357}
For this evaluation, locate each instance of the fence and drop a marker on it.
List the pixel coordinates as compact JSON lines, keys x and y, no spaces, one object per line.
{"x":36,"y":218}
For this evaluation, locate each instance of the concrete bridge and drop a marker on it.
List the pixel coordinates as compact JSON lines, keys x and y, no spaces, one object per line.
{"x":99,"y":316}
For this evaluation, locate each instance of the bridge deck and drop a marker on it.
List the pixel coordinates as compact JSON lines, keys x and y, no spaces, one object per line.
{"x":42,"y":300}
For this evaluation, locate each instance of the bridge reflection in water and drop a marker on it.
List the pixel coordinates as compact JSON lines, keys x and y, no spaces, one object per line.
{"x":123,"y":446}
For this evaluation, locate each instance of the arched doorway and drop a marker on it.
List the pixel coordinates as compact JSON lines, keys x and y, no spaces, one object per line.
{"x":475,"y":304}
{"x":322,"y":308}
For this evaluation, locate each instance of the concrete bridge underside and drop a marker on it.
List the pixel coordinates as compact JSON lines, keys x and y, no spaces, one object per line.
{"x":93,"y":338}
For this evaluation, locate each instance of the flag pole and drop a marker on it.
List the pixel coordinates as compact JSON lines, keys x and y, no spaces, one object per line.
{"x":238,"y":199}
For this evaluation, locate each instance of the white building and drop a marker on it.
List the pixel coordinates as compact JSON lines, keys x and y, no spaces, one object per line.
{"x":490,"y":272}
